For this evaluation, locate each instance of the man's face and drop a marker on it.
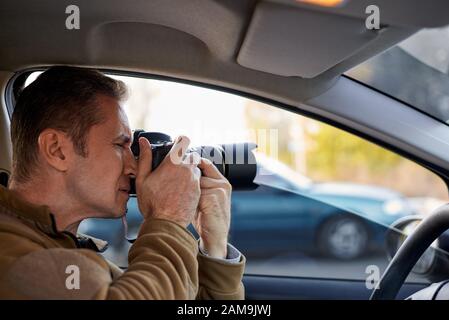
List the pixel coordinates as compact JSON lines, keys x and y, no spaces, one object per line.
{"x":100,"y":181}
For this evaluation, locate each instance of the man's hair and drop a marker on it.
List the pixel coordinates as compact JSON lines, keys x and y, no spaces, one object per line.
{"x":61,"y":98}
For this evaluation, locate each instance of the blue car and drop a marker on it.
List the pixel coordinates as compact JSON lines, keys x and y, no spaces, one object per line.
{"x":288,"y":213}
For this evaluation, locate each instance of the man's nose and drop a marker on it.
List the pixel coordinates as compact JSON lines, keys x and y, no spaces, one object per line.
{"x":130,"y":164}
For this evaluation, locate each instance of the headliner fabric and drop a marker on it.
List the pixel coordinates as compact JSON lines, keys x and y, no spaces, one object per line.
{"x":195,"y":40}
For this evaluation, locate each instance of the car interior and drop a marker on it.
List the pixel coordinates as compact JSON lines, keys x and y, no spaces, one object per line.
{"x":304,"y":58}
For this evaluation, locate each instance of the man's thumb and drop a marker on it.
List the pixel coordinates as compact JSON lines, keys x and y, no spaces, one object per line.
{"x":145,"y":157}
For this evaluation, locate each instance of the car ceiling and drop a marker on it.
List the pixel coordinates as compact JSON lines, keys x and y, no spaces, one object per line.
{"x":285,"y":50}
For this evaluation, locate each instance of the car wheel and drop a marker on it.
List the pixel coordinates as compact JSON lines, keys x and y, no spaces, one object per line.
{"x":344,"y":238}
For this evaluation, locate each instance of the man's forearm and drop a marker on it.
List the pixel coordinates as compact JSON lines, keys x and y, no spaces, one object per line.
{"x":162,"y":264}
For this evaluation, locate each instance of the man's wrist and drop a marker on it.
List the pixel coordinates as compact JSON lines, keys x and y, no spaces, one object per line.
{"x":169,"y":217}
{"x":233,"y":256}
{"x":218,"y":251}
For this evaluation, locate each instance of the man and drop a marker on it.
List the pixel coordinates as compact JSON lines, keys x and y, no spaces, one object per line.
{"x":71,"y":161}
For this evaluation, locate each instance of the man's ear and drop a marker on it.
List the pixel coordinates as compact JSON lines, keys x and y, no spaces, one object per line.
{"x":56,"y":148}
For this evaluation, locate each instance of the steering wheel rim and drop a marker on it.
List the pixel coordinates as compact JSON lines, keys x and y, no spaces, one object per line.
{"x":410,"y":252}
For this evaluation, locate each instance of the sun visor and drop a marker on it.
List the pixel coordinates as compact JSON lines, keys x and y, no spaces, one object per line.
{"x":297,"y":42}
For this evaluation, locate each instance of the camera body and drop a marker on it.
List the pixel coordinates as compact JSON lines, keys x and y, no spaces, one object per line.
{"x":236,"y":162}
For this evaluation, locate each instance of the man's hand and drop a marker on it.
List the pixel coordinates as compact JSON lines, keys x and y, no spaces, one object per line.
{"x":172,"y":191}
{"x":214,"y":211}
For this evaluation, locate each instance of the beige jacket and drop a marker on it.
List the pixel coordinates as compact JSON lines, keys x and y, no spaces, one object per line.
{"x":38,"y":262}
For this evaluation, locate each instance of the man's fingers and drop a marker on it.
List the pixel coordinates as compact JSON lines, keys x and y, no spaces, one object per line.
{"x":145,"y":158}
{"x":178,"y":151}
{"x":209,"y":169}
{"x":210,"y":183}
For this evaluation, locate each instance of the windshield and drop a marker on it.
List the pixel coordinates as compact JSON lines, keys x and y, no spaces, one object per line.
{"x":416,"y":71}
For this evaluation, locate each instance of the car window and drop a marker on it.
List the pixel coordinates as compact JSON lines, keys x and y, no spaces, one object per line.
{"x":326,"y":198}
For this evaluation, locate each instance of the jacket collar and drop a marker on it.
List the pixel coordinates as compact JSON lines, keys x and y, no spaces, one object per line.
{"x":38,"y":216}
{"x":41,"y":218}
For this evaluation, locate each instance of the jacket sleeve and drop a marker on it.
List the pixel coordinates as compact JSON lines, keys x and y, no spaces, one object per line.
{"x":219,"y":279}
{"x":162,"y":265}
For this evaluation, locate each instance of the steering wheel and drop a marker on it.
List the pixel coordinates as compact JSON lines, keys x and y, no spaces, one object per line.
{"x":410,"y":252}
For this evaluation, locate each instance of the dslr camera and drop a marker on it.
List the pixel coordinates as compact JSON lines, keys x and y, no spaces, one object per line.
{"x":236,"y":161}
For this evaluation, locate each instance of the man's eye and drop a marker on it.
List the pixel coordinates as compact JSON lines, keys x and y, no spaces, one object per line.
{"x":120,"y":145}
